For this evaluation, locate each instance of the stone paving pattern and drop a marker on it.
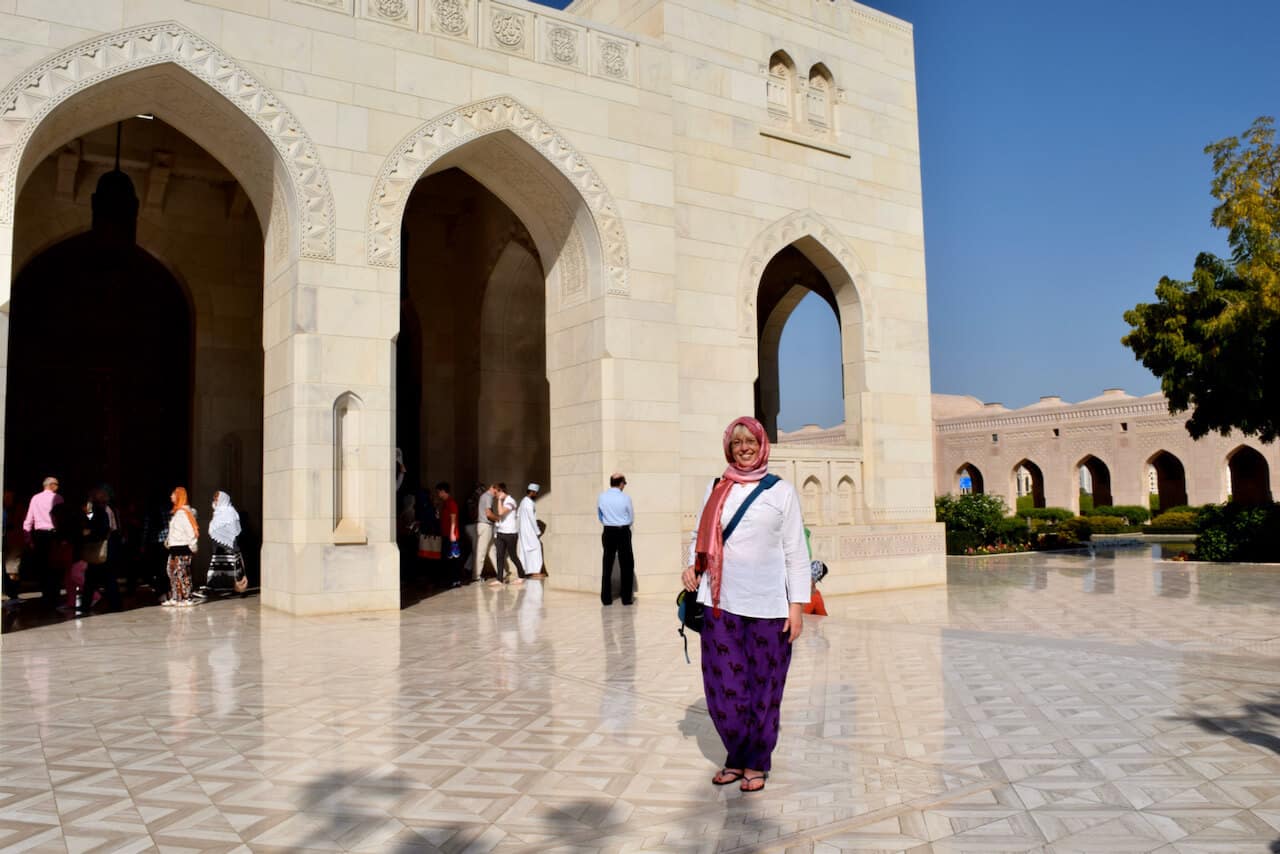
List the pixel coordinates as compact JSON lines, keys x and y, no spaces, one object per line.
{"x":1038,"y":703}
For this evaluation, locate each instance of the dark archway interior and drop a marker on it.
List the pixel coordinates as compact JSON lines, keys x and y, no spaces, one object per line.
{"x":1100,"y":479}
{"x":472,"y":398}
{"x":100,"y":373}
{"x":1171,"y":480}
{"x":1037,"y":482}
{"x":976,"y":484}
{"x":1250,"y":477}
{"x":788,"y":277}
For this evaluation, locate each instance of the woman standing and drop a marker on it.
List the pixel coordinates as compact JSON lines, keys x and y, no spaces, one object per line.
{"x":224,"y":529}
{"x":749,"y":565}
{"x":182,"y":542}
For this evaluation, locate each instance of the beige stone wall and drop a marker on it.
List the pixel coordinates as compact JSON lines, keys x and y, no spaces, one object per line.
{"x":1122,"y":431}
{"x":655,"y":182}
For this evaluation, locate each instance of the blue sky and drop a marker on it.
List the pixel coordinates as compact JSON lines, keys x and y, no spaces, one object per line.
{"x":1064,"y":174}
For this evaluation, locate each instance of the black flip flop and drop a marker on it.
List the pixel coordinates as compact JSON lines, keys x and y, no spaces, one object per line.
{"x":736,"y":776}
{"x":748,"y":780}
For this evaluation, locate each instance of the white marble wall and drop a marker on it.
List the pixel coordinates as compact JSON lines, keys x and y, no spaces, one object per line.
{"x":646,"y":163}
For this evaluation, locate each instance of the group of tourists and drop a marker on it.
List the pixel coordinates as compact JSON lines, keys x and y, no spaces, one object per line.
{"x":500,"y":531}
{"x":77,"y":555}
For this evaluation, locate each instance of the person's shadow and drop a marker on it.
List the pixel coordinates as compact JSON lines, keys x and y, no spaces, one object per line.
{"x":697,"y":725}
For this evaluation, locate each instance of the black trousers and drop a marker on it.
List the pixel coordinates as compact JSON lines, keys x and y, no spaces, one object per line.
{"x":617,"y":544}
{"x":508,"y":545}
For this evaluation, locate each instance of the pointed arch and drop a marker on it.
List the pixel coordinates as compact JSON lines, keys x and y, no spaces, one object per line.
{"x":822,"y":244}
{"x":420,"y":151}
{"x":977,"y":485}
{"x":1249,"y":477}
{"x":28,"y":100}
{"x":1099,"y":480}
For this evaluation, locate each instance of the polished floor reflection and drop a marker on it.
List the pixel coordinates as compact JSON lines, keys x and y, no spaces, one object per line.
{"x":1104,"y":703}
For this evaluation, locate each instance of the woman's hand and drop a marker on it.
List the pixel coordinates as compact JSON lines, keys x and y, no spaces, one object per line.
{"x":794,"y":624}
{"x":690,"y":579}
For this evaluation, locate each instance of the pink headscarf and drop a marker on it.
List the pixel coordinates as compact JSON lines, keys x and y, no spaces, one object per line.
{"x":710,"y":543}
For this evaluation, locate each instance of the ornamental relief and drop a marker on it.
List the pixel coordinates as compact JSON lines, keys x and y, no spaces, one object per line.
{"x":451,"y":17}
{"x":613,"y":59}
{"x":563,"y":45}
{"x":508,"y":29}
{"x":29,"y":99}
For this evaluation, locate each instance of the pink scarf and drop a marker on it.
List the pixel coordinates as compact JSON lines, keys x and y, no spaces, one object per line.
{"x":710,"y":543}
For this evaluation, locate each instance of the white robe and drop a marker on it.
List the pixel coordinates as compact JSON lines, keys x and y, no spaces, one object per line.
{"x":530,"y":545}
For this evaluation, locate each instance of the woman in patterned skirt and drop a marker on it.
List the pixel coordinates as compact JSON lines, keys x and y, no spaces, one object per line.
{"x":182,"y":542}
{"x":749,"y":565}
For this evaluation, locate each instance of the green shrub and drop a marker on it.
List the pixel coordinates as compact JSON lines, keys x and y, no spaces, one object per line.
{"x":1047,"y":514}
{"x":1235,"y":533}
{"x":1076,"y":530}
{"x":1153,"y":502}
{"x":1181,"y":508}
{"x":1108,"y":524}
{"x":971,"y":520}
{"x":1012,"y":530}
{"x":958,"y":542}
{"x":1135,"y":514}
{"x":1086,"y":502}
{"x":1174,"y":522}
{"x":1025,"y":503}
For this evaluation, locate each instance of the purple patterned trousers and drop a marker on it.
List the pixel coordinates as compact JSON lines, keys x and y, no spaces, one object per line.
{"x":744,"y":670}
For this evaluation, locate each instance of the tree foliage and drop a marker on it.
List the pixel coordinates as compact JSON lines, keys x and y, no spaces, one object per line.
{"x":1214,"y":341}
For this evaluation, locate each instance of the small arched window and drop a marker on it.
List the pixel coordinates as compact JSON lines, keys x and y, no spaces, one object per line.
{"x":811,"y":501}
{"x":348,"y":471}
{"x":820,"y":99}
{"x":780,"y":87}
{"x":844,"y":492}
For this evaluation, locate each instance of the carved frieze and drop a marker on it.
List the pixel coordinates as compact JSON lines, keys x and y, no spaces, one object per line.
{"x":613,"y":59}
{"x":563,"y":44}
{"x":402,"y":13}
{"x":509,"y":30}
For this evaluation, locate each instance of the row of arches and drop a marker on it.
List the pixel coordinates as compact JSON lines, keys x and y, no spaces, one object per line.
{"x":808,"y":101}
{"x":1247,"y":474}
{"x":815,"y":509}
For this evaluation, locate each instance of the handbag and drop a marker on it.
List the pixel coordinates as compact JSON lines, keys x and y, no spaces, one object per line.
{"x":691,"y":612}
{"x":94,"y":554}
{"x":241,"y":583}
{"x":429,"y":546}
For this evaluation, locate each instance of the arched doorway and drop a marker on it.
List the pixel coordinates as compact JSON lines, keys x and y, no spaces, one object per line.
{"x":791,"y":281}
{"x":1170,"y":480}
{"x":969,"y":480}
{"x":1028,"y":483}
{"x":1249,"y":477}
{"x":136,"y":321}
{"x":1094,"y":481}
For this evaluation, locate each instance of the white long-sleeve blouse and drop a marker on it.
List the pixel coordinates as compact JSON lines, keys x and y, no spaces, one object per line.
{"x":766,"y":563}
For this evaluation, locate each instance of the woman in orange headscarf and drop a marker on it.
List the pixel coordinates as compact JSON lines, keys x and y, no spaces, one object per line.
{"x":750,"y":567}
{"x":184,"y":535}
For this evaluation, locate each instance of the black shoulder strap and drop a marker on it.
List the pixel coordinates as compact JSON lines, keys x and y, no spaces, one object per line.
{"x":766,"y":482}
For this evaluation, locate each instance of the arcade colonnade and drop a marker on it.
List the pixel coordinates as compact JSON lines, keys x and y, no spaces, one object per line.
{"x":1119,"y":448}
{"x":613,"y":231}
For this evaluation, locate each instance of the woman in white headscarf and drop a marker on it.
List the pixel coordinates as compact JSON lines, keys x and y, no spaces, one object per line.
{"x":224,"y":529}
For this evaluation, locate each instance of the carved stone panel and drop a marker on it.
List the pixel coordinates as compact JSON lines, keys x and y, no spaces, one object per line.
{"x":563,"y":44}
{"x":509,"y":30}
{"x":612,"y":58}
{"x":453,"y":18}
{"x":400,"y":13}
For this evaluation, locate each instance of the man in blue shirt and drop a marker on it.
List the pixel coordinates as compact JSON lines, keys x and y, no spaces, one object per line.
{"x":616,"y":514}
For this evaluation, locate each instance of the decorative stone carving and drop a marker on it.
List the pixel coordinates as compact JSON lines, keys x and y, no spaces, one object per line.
{"x":394,"y":10}
{"x":864,"y":546}
{"x":784,"y":232}
{"x":613,"y":59}
{"x":508,"y":29}
{"x":415,"y":154}
{"x":34,"y":95}
{"x":451,"y":16}
{"x":563,"y":45}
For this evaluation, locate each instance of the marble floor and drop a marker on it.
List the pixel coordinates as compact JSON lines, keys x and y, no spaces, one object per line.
{"x":1065,"y":703}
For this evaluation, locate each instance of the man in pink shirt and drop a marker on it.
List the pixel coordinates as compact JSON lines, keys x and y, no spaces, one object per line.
{"x":37,"y":528}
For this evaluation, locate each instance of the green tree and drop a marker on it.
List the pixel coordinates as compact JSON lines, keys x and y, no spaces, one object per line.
{"x":1214,"y":341}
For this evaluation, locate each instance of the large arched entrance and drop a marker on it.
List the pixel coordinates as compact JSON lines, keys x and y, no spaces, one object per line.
{"x":1028,"y":484}
{"x":1094,"y":479}
{"x":1170,"y":479}
{"x":969,"y":480}
{"x":138,"y":243}
{"x":1250,"y":477}
{"x":509,"y":246}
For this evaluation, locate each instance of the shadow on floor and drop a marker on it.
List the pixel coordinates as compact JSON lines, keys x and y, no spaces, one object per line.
{"x":1257,"y":724}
